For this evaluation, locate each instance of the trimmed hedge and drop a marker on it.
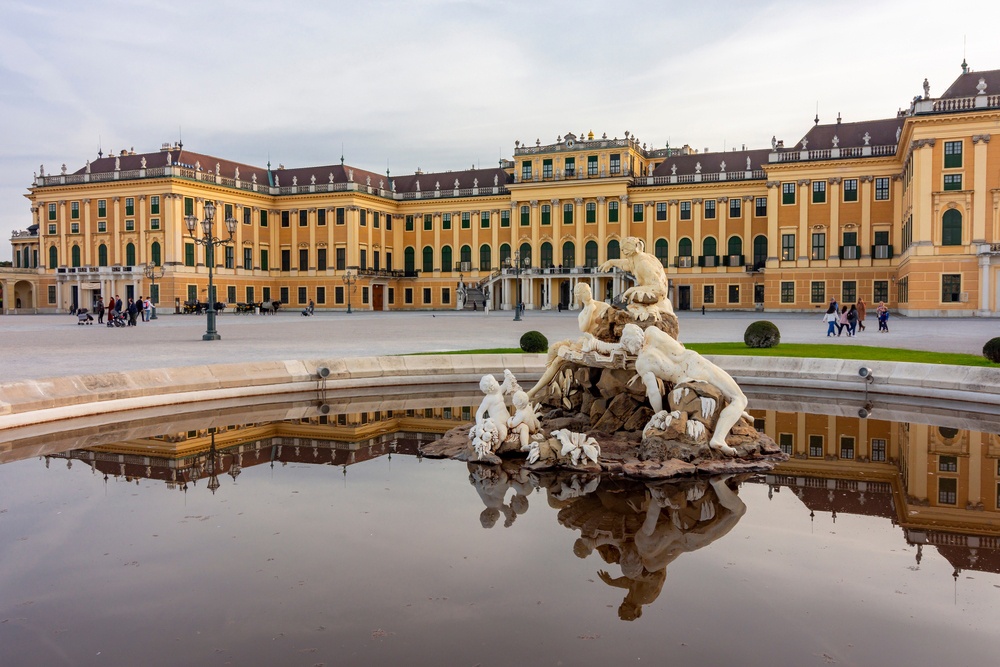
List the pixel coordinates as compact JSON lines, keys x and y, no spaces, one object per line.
{"x":762,"y":334}
{"x":992,"y":350}
{"x":534,"y":341}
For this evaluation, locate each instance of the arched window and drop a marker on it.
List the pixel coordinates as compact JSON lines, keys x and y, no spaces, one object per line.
{"x":614,"y":249}
{"x":409,"y":261}
{"x":53,"y":257}
{"x":951,"y":227}
{"x":590,"y":254}
{"x":684,"y":247}
{"x":708,"y":246}
{"x":504,"y":254}
{"x":102,"y":255}
{"x":26,"y":258}
{"x":485,"y":255}
{"x":466,"y":254}
{"x":75,"y":255}
{"x":547,"y":255}
{"x":428,"y":265}
{"x":525,"y":252}
{"x":759,"y":251}
{"x":662,"y":251}
{"x":735,"y":246}
{"x":568,"y":255}
{"x":154,"y":253}
{"x":446,"y":258}
{"x":130,"y":254}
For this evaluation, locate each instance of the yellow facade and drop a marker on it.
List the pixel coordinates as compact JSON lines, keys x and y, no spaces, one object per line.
{"x":904,"y":210}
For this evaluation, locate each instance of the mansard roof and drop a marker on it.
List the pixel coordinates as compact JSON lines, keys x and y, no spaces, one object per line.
{"x":712,"y":162}
{"x":852,"y":135}
{"x":178,"y":157}
{"x":965,"y":84}
{"x":468,"y":178}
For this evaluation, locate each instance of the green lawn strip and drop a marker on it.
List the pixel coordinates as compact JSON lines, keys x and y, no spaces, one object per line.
{"x":808,"y":350}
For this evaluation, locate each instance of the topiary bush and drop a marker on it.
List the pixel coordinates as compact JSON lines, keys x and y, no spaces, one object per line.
{"x":992,"y":350}
{"x":762,"y":334}
{"x":534,"y":341}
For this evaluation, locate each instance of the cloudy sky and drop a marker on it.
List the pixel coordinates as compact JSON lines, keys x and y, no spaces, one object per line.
{"x":439,"y":84}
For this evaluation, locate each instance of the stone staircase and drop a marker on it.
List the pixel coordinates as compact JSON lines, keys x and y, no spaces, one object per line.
{"x":474,"y":295}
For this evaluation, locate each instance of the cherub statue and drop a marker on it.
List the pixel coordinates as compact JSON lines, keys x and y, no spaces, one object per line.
{"x":492,"y":415}
{"x":649,"y":295}
{"x":524,"y":423}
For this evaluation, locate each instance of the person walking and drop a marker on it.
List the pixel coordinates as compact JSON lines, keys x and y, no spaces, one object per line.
{"x":147,"y":309}
{"x":831,"y":317}
{"x":861,"y":314}
{"x":882,"y":313}
{"x":852,"y":321}
{"x":100,"y":309}
{"x":132,"y":312}
{"x":842,"y":320}
{"x":139,"y":312}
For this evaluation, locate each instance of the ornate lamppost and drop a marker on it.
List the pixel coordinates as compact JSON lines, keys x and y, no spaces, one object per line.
{"x":515,"y":262}
{"x":153,"y":272}
{"x":211,"y":243}
{"x":349,"y":280}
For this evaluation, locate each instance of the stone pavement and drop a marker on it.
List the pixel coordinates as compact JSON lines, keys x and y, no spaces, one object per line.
{"x":37,"y":346}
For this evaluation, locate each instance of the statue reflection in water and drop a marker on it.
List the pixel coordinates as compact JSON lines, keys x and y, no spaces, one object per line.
{"x":640,"y":527}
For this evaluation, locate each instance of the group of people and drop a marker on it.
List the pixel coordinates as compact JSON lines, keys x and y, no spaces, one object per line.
{"x":839,"y":317}
{"x":135,"y":310}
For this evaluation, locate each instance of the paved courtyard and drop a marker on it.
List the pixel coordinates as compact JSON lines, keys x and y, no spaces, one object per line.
{"x":36,"y":346}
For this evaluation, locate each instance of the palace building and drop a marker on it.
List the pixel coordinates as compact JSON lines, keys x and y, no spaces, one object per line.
{"x":903,"y":209}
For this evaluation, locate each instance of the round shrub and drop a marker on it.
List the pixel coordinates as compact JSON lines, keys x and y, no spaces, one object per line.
{"x":992,"y":350}
{"x":534,"y":341}
{"x":762,"y":334}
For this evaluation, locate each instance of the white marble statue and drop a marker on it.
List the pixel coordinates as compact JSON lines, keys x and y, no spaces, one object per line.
{"x":649,"y":296}
{"x":577,"y":447}
{"x":492,"y":417}
{"x":524,"y":422}
{"x":659,"y":356}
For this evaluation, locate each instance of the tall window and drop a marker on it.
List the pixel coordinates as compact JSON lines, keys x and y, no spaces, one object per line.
{"x":154,"y":253}
{"x":321,"y":259}
{"x":787,"y":247}
{"x":568,"y":255}
{"x":881,"y":291}
{"x":526,"y":170}
{"x":428,"y":260}
{"x":129,"y":206}
{"x":616,"y":163}
{"x":952,"y":154}
{"x":614,"y":249}
{"x":759,"y":251}
{"x":466,"y":255}
{"x":428,"y":222}
{"x":819,"y":192}
{"x":591,"y":165}
{"x":613,"y":211}
{"x":570,"y":167}
{"x":303,"y":258}
{"x":662,"y":251}
{"x":466,"y":220}
{"x":130,"y":254}
{"x":265,"y":264}
{"x":102,"y":255}
{"x":567,"y":214}
{"x":850,"y":189}
{"x":788,"y":193}
{"x":409,"y":262}
{"x":75,"y":255}
{"x":102,"y":208}
{"x":882,"y":189}
{"x":188,"y":254}
{"x":591,"y":212}
{"x":735,"y":207}
{"x":951,"y":227}
{"x":446,"y":258}
{"x":485,"y":255}
{"x":590,"y":254}
{"x":525,"y":216}
{"x":951,"y":287}
{"x":817,"y":292}
{"x":303,"y":218}
{"x":787,"y":291}
{"x":819,"y":245}
{"x":341,"y":258}
{"x":484,"y":220}
{"x":661,"y":210}
{"x":637,"y":210}
{"x":709,"y":209}
{"x":546,"y":214}
{"x":685,"y":210}
{"x":248,"y":259}
{"x":547,"y":168}
{"x":74,"y":210}
{"x":446,"y":221}
{"x":849,"y":291}
{"x":546,"y":252}
{"x":760,"y":207}
{"x":505,"y":218}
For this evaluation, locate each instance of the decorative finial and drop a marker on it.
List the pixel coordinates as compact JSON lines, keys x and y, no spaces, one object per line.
{"x":981,"y":86}
{"x":965,"y":67}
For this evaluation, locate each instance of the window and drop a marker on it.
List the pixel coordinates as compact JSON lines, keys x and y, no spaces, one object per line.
{"x":74,"y":210}
{"x":75,"y":256}
{"x":662,"y":251}
{"x":613,"y":211}
{"x":684,"y":249}
{"x":303,"y":296}
{"x":951,"y":227}
{"x":428,"y":222}
{"x":129,"y":206}
{"x":948,"y":491}
{"x":947,"y":464}
{"x":849,"y":248}
{"x":320,"y":295}
{"x":363,"y":218}
{"x":74,"y":227}
{"x":466,"y":220}
{"x":102,"y":255}
{"x":446,"y":258}
{"x":570,"y":167}
{"x":786,"y":441}
{"x":102,"y":208}
{"x":787,"y":291}
{"x":321,"y":259}
{"x":285,"y":218}
{"x":154,"y":224}
{"x":787,"y":247}
{"x":734,"y":294}
{"x":52,"y":211}
{"x":882,"y":189}
{"x":817,"y":292}
{"x":286,"y":259}
{"x":685,"y":210}
{"x":338,"y":294}
{"x":637,"y":212}
{"x":129,"y":226}
{"x":735,"y":208}
{"x":816,"y":445}
{"x":230,"y":259}
{"x":445,"y":295}
{"x":951,"y":287}
{"x":616,"y":163}
{"x":505,"y":218}
{"x":708,"y":293}
{"x":341,"y":218}
{"x":850,"y":189}
{"x":568,"y":255}
{"x":409,"y":223}
{"x":710,"y":209}
{"x":819,"y":192}
{"x":661,"y":210}
{"x":484,"y":220}
{"x":759,"y":251}
{"x":591,"y":212}
{"x":846,"y":447}
{"x":849,"y":291}
{"x":952,"y":181}
{"x":265,"y":293}
{"x":248,"y":259}
{"x":787,"y":193}
{"x":526,"y":170}
{"x":283,"y":295}
{"x":188,"y":254}
{"x":263,"y":220}
{"x":376,"y":219}
{"x":709,"y":253}
{"x":264,"y":261}
{"x":760,"y":207}
{"x":427,"y":296}
{"x":567,"y":214}
{"x":878,"y":449}
{"x":614,"y":249}
{"x":590,"y":254}
{"x":303,"y":259}
{"x":546,"y":214}
{"x":102,"y":226}
{"x":881,"y":290}
{"x":525,"y":216}
{"x":952,"y":154}
{"x":341,"y":258}
{"x":485,"y":257}
{"x":53,"y":258}
{"x":547,"y":168}
{"x":303,"y":218}
{"x":819,"y":245}
{"x":427,"y":265}
{"x":228,"y":211}
{"x":882,"y":249}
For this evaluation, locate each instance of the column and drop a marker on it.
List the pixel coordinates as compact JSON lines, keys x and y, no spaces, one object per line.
{"x":833,"y":199}
{"x":602,"y":230}
{"x":578,"y":225}
{"x":772,"y":221}
{"x":88,"y":258}
{"x":980,"y":142}
{"x":864,"y":238}
{"x":697,"y":241}
{"x":802,"y":202}
{"x":921,"y":185}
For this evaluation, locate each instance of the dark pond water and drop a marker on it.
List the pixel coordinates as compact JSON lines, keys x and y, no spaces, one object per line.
{"x":317,"y":536}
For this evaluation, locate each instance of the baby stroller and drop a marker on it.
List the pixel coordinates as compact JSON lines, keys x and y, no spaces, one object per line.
{"x":117,"y":319}
{"x":84,"y":317}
